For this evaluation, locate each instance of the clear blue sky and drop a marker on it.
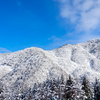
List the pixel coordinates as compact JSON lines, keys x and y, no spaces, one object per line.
{"x":47,"y":24}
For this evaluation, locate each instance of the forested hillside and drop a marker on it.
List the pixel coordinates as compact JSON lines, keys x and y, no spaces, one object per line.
{"x":53,"y":89}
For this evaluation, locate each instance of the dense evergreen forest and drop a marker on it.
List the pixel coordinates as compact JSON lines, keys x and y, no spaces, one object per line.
{"x":53,"y":89}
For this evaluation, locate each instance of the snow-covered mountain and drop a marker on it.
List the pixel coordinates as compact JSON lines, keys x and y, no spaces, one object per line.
{"x":36,"y":65}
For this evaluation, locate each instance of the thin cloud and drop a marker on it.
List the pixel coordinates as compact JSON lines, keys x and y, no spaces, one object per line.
{"x":60,"y":41}
{"x":85,"y":37}
{"x":70,"y":39}
{"x":84,"y":18}
{"x":85,"y":14}
{"x":4,"y":50}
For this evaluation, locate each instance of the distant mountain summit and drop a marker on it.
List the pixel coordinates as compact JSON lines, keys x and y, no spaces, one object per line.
{"x":36,"y":65}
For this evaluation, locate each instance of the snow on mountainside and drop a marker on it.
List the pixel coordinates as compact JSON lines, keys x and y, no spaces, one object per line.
{"x":36,"y":65}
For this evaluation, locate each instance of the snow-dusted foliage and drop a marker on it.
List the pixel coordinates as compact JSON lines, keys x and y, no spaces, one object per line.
{"x":36,"y":65}
{"x":97,"y":90}
{"x":19,"y":71}
{"x":53,"y":89}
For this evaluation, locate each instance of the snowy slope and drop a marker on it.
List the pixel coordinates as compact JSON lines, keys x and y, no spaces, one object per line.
{"x":36,"y":65}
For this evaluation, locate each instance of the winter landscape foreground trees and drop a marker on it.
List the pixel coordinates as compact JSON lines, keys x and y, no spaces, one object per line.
{"x":54,"y":89}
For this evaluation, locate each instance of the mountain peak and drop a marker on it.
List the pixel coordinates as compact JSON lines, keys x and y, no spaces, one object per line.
{"x":94,"y":41}
{"x":35,"y":64}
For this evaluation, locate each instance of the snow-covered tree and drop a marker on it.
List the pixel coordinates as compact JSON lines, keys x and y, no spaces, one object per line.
{"x":2,"y":91}
{"x":86,"y":86}
{"x":97,"y":90}
{"x":69,"y":90}
{"x":51,"y":89}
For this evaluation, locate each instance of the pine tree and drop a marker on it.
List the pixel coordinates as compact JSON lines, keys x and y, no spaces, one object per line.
{"x":54,"y":88}
{"x":69,"y":90}
{"x":62,"y":88}
{"x":74,"y":90}
{"x":79,"y":94}
{"x":87,"y":88}
{"x":1,"y":87}
{"x":62,"y":79}
{"x":1,"y":91}
{"x":97,"y":90}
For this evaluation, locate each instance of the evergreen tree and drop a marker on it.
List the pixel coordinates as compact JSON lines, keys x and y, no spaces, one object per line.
{"x":69,"y":90}
{"x":1,"y":91}
{"x":79,"y":94}
{"x":1,"y":87}
{"x":54,"y":89}
{"x":62,"y":79}
{"x":87,"y":88}
{"x":74,"y":90}
{"x":97,"y":90}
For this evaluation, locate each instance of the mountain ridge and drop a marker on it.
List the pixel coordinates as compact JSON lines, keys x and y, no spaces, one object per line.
{"x":36,"y":65}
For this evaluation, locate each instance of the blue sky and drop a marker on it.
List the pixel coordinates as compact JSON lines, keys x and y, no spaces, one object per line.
{"x":47,"y":24}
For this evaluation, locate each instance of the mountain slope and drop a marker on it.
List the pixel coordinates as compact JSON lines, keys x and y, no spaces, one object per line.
{"x":36,"y":65}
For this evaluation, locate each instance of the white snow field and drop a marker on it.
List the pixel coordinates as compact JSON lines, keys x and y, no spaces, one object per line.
{"x":36,"y":65}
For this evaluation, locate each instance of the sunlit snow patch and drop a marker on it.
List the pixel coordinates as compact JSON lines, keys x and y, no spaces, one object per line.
{"x":4,"y":70}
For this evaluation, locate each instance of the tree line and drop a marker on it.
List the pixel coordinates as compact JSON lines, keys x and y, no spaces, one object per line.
{"x":53,"y":89}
